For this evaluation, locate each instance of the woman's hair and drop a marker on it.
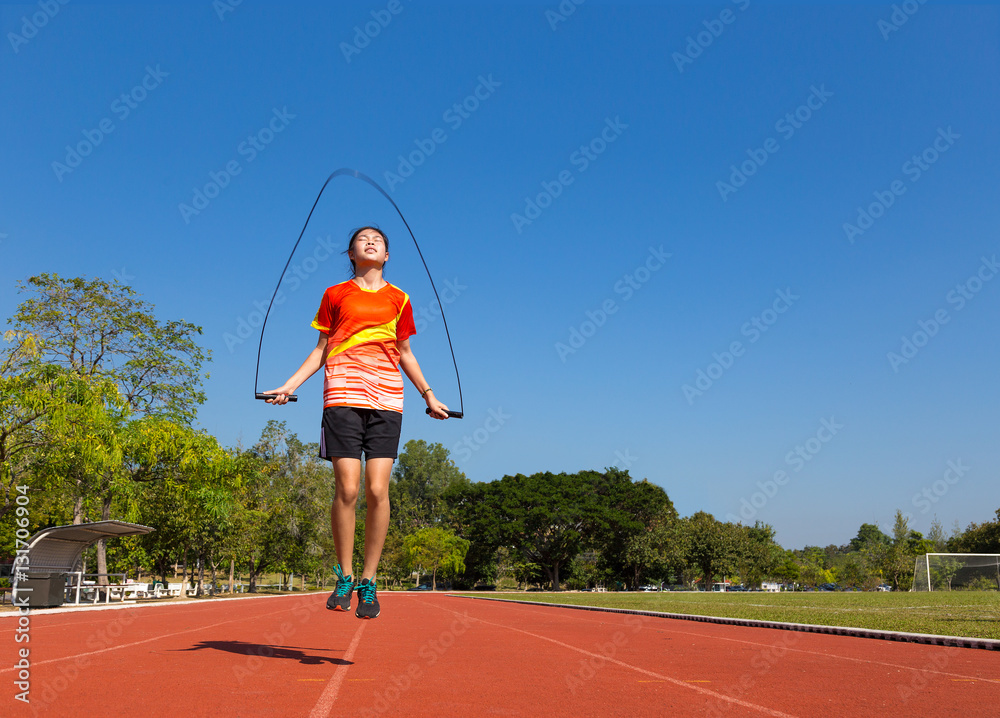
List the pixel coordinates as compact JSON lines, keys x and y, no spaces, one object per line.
{"x":354,"y":236}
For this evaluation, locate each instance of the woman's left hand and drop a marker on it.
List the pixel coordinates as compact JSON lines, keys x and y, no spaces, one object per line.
{"x":438,"y":410}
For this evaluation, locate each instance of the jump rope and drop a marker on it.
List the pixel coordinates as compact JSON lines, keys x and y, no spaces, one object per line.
{"x":346,"y":172}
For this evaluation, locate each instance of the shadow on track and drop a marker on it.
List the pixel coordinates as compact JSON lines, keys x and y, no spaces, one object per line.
{"x":243,"y":648}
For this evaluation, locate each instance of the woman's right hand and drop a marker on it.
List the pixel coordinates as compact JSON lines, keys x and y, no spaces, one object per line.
{"x":281,"y":394}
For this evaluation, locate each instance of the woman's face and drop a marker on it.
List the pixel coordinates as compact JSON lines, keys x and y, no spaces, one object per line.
{"x":369,"y":249}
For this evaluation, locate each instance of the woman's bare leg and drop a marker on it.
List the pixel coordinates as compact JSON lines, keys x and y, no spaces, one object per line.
{"x":347,"y":477}
{"x":377,"y":474}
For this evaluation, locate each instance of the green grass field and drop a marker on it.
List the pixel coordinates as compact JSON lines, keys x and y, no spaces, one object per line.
{"x":973,"y":614}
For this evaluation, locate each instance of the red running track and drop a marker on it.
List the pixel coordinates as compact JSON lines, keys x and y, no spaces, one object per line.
{"x":438,"y":655}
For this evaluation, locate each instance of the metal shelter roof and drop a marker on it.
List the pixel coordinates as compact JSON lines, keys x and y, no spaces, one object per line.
{"x":59,"y":548}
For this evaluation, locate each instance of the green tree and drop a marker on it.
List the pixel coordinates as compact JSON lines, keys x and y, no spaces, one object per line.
{"x":788,"y":569}
{"x":84,"y":450}
{"x":867,"y":534}
{"x":710,"y":546}
{"x":852,"y":572}
{"x":544,"y":517}
{"x":658,"y":550}
{"x":978,"y":538}
{"x":814,"y":566}
{"x":475,"y":514}
{"x":117,"y":365}
{"x":756,"y":554}
{"x":160,"y":510}
{"x":874,"y":557}
{"x":184,"y":485}
{"x":421,"y":477}
{"x":104,"y":329}
{"x":548,"y":519}
{"x":394,"y":565}
{"x":621,"y":523}
{"x":899,"y":557}
{"x":585,"y":571}
{"x":937,"y":537}
{"x":436,"y":549}
{"x":278,"y":522}
{"x":42,"y":409}
{"x":27,"y":389}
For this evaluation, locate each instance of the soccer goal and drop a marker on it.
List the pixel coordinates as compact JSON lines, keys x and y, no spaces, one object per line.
{"x":950,"y":571}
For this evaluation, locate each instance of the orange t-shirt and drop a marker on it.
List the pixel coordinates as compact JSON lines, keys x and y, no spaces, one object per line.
{"x":363,"y":326}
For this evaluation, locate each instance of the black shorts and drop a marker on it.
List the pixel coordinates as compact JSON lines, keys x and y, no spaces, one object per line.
{"x":349,"y":430}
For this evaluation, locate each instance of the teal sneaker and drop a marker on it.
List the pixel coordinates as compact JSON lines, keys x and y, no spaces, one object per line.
{"x":367,"y":600}
{"x":340,"y":599}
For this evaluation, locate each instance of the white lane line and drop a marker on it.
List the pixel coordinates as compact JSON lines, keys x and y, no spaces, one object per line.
{"x":165,"y":603}
{"x":325,"y":703}
{"x":76,"y":656}
{"x":822,"y":654}
{"x":653,"y":674}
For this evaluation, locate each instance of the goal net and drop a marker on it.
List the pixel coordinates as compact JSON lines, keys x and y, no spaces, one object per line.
{"x":954,"y":571}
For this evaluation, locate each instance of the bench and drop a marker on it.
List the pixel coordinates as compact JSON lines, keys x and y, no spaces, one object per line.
{"x":175,"y":590}
{"x":52,"y":554}
{"x":80,"y":588}
{"x":135,"y":590}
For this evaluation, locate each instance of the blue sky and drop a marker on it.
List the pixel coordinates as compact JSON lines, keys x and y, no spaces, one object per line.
{"x":555,"y":159}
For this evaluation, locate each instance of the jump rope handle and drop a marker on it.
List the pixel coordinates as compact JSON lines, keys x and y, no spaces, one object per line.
{"x":265,"y":397}
{"x":452,"y":414}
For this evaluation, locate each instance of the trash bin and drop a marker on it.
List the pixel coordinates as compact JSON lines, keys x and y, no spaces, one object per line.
{"x":43,"y":590}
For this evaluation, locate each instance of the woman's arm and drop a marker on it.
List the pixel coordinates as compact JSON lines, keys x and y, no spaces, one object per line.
{"x":316,"y":359}
{"x":408,"y":363}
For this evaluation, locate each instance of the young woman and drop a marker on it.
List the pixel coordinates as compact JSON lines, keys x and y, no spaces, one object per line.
{"x":365,"y":325}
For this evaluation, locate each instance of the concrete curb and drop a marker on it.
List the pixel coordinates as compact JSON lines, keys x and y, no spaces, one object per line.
{"x":987,"y":644}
